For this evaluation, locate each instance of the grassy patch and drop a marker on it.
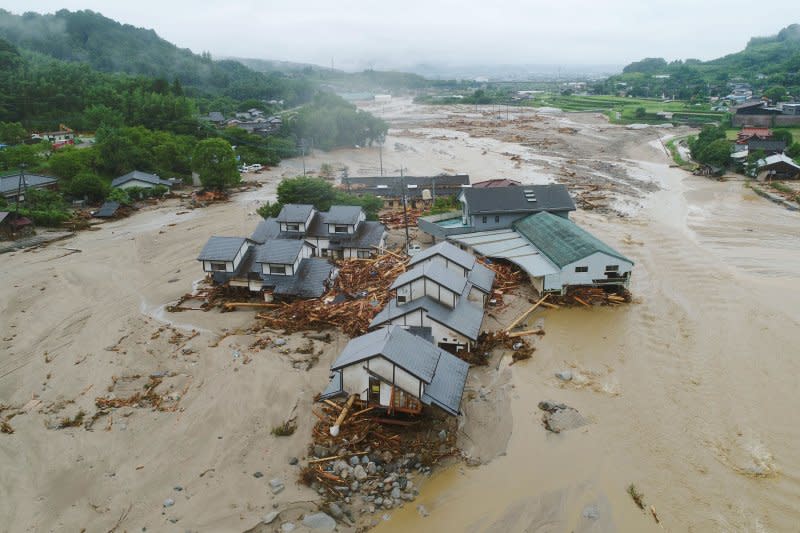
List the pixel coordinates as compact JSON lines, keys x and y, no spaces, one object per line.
{"x":285,"y":429}
{"x":638,"y":497}
{"x":75,"y":421}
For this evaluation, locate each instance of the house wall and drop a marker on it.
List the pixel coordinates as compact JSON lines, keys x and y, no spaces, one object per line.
{"x":240,"y":255}
{"x":350,"y":229}
{"x":504,"y":220}
{"x":477,"y":296}
{"x":440,"y":332}
{"x":449,"y":265}
{"x":228,"y":266}
{"x":322,"y":245}
{"x":597,"y":267}
{"x":355,"y":380}
{"x":136,"y":183}
{"x":427,"y":287}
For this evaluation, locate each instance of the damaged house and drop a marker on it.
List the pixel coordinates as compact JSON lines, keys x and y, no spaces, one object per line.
{"x":441,"y":298}
{"x":398,"y":371}
{"x":285,"y":256}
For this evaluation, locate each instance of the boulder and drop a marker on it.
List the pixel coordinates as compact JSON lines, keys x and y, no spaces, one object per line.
{"x":319,"y":522}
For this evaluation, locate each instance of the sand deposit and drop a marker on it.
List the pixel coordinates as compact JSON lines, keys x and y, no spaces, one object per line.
{"x":690,"y":393}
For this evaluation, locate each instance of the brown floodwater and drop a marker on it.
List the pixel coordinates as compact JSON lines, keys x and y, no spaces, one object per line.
{"x":693,"y":392}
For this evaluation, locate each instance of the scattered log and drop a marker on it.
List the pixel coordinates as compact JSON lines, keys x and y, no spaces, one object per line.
{"x":526,"y":313}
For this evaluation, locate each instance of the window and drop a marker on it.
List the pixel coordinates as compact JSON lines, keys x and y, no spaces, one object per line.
{"x":339,"y":229}
{"x":401,"y":299}
{"x":277,"y":269}
{"x":484,"y":219}
{"x":582,"y":269}
{"x":612,"y":268}
{"x":363,"y":254}
{"x":292,"y":227}
{"x":497,"y":218}
{"x":218,"y":267}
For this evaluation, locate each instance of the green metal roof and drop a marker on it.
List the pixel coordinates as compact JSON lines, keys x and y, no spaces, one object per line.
{"x":562,"y":241}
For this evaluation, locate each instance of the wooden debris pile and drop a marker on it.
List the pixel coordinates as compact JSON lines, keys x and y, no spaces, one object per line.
{"x":507,"y":277}
{"x":369,"y":449}
{"x":588,"y":197}
{"x":205,"y":297}
{"x":148,"y":397}
{"x":520,"y":347}
{"x":361,"y":290}
{"x":588,"y":296}
{"x":395,"y":219}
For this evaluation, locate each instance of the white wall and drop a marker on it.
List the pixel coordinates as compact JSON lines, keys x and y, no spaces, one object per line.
{"x":228,"y":266}
{"x":355,"y":379}
{"x":240,"y":254}
{"x":597,"y":267}
{"x":440,"y":332}
{"x":136,"y":183}
{"x":425,"y":286}
{"x":449,"y":265}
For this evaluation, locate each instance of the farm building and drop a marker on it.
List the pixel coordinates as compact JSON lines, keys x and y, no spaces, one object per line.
{"x":778,"y":166}
{"x":416,"y":189}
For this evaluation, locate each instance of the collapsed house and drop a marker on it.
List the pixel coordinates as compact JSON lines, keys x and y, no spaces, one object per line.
{"x":414,"y":189}
{"x":394,"y":369}
{"x":441,"y":298}
{"x":554,"y":252}
{"x":286,"y":256}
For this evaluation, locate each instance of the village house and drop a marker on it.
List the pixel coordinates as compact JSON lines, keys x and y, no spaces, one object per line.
{"x":285,"y":255}
{"x":498,"y":182}
{"x":275,"y":268}
{"x":778,"y":167}
{"x":343,"y":232}
{"x":441,"y":298}
{"x":416,"y":189}
{"x":747,"y":133}
{"x":140,"y":179}
{"x":768,"y":146}
{"x":56,"y":138}
{"x":15,"y":185}
{"x":400,"y":372}
{"x":554,"y":252}
{"x":13,"y":226}
{"x":496,"y":208}
{"x":758,"y":113}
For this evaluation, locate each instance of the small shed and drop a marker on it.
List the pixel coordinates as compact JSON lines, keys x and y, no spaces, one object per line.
{"x":779,"y":167}
{"x":107,"y":210}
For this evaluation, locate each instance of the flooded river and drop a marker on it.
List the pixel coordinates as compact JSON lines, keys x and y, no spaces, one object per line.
{"x":693,"y":391}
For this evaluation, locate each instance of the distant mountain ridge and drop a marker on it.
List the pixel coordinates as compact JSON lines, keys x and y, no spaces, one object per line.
{"x":109,"y":46}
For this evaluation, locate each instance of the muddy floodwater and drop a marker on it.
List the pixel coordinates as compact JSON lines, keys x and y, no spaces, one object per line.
{"x":693,"y":392}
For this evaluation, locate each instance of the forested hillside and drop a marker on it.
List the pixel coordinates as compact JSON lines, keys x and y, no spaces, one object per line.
{"x":765,"y":63}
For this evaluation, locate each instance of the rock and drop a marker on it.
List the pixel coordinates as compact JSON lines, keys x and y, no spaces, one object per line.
{"x":359,"y":473}
{"x":276,"y":485}
{"x":345,"y":473}
{"x":365,"y":460}
{"x":320,"y":451}
{"x":371,"y":509}
{"x":443,"y":435}
{"x":354,"y":486}
{"x":395,"y":493}
{"x":169,"y":502}
{"x":378,"y":501}
{"x":387,"y":457}
{"x":335,"y":510}
{"x":422,"y":511}
{"x":270,"y":517}
{"x":564,"y":375}
{"x":294,"y":461}
{"x":409,"y":485}
{"x":371,"y":468}
{"x":549,"y":406}
{"x":279,"y":342}
{"x":319,"y":522}
{"x":560,"y":417}
{"x":177,"y":488}
{"x":286,"y":527}
{"x":354,"y":461}
{"x":258,"y":475}
{"x":592,"y":512}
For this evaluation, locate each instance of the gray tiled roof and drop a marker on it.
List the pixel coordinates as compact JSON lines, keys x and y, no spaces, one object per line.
{"x":343,"y":214}
{"x":107,"y":210}
{"x":553,"y":197}
{"x":137,"y":175}
{"x":465,"y":318}
{"x":368,"y":235}
{"x":434,"y":272}
{"x":281,"y":251}
{"x":482,"y":277}
{"x":221,"y":248}
{"x":447,"y":386}
{"x":413,"y":354}
{"x":295,"y":213}
{"x":267,"y":229}
{"x":309,"y":282}
{"x":10,"y":184}
{"x":452,"y":253}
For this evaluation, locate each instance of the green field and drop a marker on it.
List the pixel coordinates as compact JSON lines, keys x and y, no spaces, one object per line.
{"x":624,"y":110}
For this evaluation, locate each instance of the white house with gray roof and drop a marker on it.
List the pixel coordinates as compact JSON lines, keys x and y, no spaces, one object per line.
{"x":144,"y":180}
{"x":443,"y":296}
{"x":393,"y":369}
{"x":223,"y":254}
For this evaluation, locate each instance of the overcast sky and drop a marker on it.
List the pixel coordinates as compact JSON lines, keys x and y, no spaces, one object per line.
{"x":393,"y":34}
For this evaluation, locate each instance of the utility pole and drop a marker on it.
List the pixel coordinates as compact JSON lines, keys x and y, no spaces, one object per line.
{"x":380,"y":155}
{"x":303,"y":152}
{"x":21,"y":186}
{"x":405,"y":206}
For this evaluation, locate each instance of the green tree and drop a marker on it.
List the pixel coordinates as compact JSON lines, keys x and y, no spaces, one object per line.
{"x":88,"y":185}
{"x":68,"y":162}
{"x":215,"y":162}
{"x":640,"y":112}
{"x":269,"y":209}
{"x":783,"y":135}
{"x":305,"y":190}
{"x":717,"y":153}
{"x":12,"y":133}
{"x":100,"y":115}
{"x":775,"y":93}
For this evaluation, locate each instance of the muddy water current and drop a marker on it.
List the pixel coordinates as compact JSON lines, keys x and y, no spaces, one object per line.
{"x":693,"y":392}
